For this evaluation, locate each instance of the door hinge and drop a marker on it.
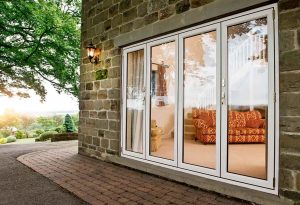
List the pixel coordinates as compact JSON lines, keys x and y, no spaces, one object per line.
{"x":274,"y":97}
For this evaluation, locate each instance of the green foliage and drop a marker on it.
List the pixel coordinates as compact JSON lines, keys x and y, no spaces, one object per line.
{"x":60,"y":129}
{"x":39,"y":132}
{"x":4,"y":133}
{"x":46,"y":136}
{"x":20,"y":134}
{"x":3,"y":140}
{"x":69,"y":124}
{"x":11,"y":139}
{"x":39,"y":41}
{"x":101,"y":74}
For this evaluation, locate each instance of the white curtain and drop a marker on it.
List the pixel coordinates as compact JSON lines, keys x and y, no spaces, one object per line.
{"x":135,"y":101}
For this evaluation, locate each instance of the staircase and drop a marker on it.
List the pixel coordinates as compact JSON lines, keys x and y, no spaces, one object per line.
{"x":189,"y":128}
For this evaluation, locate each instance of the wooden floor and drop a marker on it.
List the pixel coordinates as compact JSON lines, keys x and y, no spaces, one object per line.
{"x":244,"y":159}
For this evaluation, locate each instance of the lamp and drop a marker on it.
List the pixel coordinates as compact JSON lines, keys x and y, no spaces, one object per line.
{"x":93,"y":53}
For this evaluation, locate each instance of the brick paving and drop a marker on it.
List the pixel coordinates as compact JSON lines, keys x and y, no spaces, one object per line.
{"x":98,"y":182}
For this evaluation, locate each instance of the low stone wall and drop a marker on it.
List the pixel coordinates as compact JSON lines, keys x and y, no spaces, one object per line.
{"x":64,"y":137}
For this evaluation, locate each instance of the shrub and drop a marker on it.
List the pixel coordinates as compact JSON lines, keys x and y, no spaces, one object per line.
{"x":39,"y":132}
{"x":11,"y":139}
{"x":20,"y":134}
{"x":4,"y":133}
{"x":45,"y":136}
{"x":60,"y":129}
{"x":69,"y":123}
{"x":3,"y":140}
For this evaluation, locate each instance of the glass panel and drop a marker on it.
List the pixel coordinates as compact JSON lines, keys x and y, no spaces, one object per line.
{"x":163,"y":106}
{"x":200,"y":100}
{"x":248,"y":98}
{"x":135,"y":101}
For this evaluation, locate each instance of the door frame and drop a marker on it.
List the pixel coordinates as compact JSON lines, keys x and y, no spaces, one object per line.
{"x":214,"y":27}
{"x":271,"y":190}
{"x":173,"y":162}
{"x":271,"y":104}
{"x":124,"y":102}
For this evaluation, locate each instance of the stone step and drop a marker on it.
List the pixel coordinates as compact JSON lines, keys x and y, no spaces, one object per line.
{"x":188,"y":122}
{"x":189,"y":115}
{"x":189,"y":135}
{"x":189,"y":128}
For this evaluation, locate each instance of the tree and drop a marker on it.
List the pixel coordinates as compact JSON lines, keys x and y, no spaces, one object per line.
{"x":39,"y":41}
{"x":69,"y":124}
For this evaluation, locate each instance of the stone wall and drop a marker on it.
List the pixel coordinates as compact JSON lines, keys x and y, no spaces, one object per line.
{"x":289,"y":43}
{"x":108,"y":22}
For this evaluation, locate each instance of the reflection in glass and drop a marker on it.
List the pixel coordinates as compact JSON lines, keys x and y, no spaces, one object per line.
{"x":248,"y":98}
{"x":200,"y":100}
{"x":162,"y":111}
{"x":135,"y":101}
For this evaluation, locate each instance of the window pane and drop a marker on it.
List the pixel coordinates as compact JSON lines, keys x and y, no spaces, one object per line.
{"x":248,"y":98}
{"x":163,"y":106}
{"x":135,"y":101}
{"x":200,"y":100}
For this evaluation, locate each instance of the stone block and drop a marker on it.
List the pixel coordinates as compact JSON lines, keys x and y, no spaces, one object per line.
{"x":182,"y":6}
{"x":102,"y":115}
{"x":113,"y":33}
{"x":286,"y":179}
{"x":114,"y":72}
{"x":151,"y":18}
{"x":96,"y":141}
{"x":298,"y":181}
{"x":290,"y":81}
{"x":114,"y":125}
{"x":156,"y":5}
{"x":136,"y":2}
{"x":166,"y":12}
{"x":105,"y":83}
{"x":290,"y":160}
{"x":290,"y":141}
{"x":116,"y":61}
{"x":88,"y":140}
{"x":93,"y":114}
{"x":101,"y":17}
{"x":114,"y":145}
{"x":289,"y":104}
{"x":113,"y":115}
{"x":108,"y":44}
{"x":138,"y":23}
{"x":142,"y":10}
{"x":126,"y":28}
{"x":288,"y":4}
{"x":130,"y":15}
{"x":104,"y":143}
{"x":290,"y":60}
{"x":115,"y":105}
{"x":107,"y":24}
{"x":113,"y":10}
{"x":111,"y":134}
{"x":102,"y":124}
{"x":106,"y":4}
{"x":290,"y":124}
{"x":290,"y":19}
{"x":114,"y":94}
{"x":102,"y":94}
{"x":117,"y":20}
{"x":89,"y":86}
{"x":287,"y":40}
{"x":125,"y":5}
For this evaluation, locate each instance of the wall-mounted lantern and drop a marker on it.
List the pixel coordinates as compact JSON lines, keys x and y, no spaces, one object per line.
{"x":93,"y":53}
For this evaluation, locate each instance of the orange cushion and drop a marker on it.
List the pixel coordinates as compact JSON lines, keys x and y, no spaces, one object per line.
{"x":257,"y":123}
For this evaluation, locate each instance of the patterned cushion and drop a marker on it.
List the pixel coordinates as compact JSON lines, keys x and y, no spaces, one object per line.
{"x":211,"y":139}
{"x":257,"y":123}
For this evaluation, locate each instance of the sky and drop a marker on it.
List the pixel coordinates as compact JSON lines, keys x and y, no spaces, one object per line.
{"x":54,"y":103}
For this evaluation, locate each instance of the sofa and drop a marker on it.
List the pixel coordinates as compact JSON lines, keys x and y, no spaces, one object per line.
{"x":243,"y":127}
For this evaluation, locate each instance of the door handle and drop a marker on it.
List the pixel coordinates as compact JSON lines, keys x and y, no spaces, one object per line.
{"x":223,"y":98}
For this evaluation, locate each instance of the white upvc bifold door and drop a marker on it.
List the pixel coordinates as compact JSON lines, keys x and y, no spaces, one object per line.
{"x":248,"y":76}
{"x":202,"y":101}
{"x":134,"y":106}
{"x":161,"y":101}
{"x":199,"y":88}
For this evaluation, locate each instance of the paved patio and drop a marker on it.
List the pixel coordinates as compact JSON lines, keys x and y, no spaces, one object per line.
{"x":98,"y":182}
